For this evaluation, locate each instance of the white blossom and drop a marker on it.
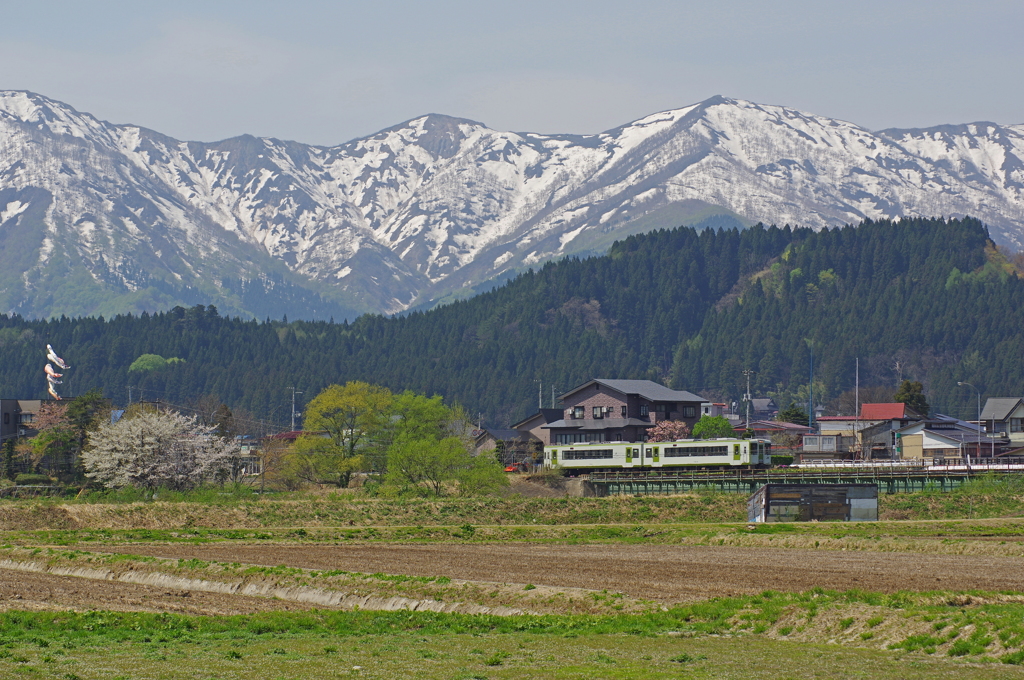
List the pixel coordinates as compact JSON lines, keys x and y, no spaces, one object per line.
{"x":157,"y":450}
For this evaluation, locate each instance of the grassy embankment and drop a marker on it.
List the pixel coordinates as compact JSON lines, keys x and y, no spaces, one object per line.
{"x":986,"y":497}
{"x":770,"y":635}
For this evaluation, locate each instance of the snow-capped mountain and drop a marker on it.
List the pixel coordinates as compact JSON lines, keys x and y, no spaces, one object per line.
{"x":100,"y":218}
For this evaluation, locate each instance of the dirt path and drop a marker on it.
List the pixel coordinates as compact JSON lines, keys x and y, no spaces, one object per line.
{"x":665,"y":573}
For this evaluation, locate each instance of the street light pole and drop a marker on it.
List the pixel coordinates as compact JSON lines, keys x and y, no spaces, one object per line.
{"x":979,"y":422}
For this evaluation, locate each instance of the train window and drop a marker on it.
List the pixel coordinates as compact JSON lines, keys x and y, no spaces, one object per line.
{"x":588,"y":454}
{"x":682,"y":451}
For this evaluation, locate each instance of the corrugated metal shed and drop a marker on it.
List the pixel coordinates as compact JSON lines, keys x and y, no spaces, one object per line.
{"x":819,"y":502}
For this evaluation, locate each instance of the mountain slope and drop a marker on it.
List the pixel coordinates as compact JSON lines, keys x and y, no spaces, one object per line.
{"x":435,"y":205}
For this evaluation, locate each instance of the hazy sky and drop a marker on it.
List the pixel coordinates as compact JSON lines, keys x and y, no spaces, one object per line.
{"x":324,"y":72}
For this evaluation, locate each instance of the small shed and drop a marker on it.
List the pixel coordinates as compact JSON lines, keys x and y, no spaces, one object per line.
{"x":807,"y":502}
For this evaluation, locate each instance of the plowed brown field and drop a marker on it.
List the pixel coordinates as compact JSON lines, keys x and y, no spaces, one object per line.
{"x":34,"y":591}
{"x":665,"y":573}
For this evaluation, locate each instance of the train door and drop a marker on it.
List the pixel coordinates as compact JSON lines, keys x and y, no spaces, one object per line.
{"x":654,"y":454}
{"x":632,"y":453}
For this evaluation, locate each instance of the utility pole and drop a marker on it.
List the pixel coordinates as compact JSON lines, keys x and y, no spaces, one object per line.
{"x":129,"y":395}
{"x":856,"y":408}
{"x":540,"y":394}
{"x":748,"y":373}
{"x":293,"y":406}
{"x":968,"y":456}
{"x":856,"y":392}
{"x":810,"y":389}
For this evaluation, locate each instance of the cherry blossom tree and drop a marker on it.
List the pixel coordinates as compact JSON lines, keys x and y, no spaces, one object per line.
{"x":151,"y":449}
{"x":668,"y":431}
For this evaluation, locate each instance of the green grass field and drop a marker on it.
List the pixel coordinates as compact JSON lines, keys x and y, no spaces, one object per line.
{"x":719,"y":639}
{"x":815,"y":634}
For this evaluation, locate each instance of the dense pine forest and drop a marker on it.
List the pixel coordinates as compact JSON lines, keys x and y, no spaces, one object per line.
{"x":928,"y":300}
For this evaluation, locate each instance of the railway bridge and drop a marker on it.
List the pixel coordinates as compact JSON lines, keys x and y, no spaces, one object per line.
{"x":889,"y":480}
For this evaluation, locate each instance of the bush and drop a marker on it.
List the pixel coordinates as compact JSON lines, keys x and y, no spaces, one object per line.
{"x":782,"y":460}
{"x":27,"y":479}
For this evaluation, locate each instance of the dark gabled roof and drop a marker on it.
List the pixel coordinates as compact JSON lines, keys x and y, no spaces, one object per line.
{"x":549,"y":415}
{"x":999,"y":408}
{"x":942,"y":424}
{"x":777,"y":426}
{"x":648,"y":389}
{"x":501,"y":435}
{"x":599,"y":424}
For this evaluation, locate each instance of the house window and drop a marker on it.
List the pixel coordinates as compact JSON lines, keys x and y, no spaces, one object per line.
{"x":578,"y":413}
{"x":7,"y":419}
{"x":26,"y":417}
{"x":660,"y":408}
{"x":1015,"y":424}
{"x":623,"y":411}
{"x":689,"y":411}
{"x":598,"y":412}
{"x":579,"y":437}
{"x":643,"y":410}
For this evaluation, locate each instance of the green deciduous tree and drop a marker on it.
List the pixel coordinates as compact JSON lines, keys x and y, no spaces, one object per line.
{"x":345,"y":426}
{"x":427,"y":462}
{"x":712,"y":427}
{"x":431,"y":447}
{"x":485,"y":476}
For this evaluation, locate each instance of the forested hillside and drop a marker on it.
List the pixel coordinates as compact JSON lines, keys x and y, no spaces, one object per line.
{"x":929,"y":300}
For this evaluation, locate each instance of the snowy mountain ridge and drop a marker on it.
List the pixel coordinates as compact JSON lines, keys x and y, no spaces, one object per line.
{"x":429,"y":207}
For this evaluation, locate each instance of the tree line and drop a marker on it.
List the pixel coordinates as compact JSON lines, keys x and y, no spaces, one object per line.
{"x":409,"y":443}
{"x":926,"y":299}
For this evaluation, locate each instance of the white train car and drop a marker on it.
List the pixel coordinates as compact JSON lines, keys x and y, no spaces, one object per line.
{"x":686,"y":453}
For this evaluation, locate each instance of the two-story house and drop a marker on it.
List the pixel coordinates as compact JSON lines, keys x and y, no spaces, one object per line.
{"x":620,"y":410}
{"x":1005,"y":415}
{"x":16,"y":417}
{"x":878,"y":438}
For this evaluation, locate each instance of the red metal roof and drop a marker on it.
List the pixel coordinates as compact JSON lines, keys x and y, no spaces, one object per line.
{"x":883,"y":411}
